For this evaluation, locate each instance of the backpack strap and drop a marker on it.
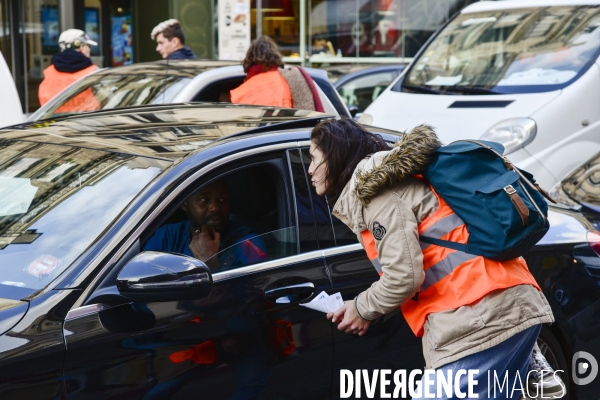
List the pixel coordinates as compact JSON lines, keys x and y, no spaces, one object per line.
{"x":444,"y":243}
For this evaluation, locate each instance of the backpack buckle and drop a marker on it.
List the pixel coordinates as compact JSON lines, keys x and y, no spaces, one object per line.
{"x":509,"y":190}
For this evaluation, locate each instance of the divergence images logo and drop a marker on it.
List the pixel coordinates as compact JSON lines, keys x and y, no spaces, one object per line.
{"x":584,"y":363}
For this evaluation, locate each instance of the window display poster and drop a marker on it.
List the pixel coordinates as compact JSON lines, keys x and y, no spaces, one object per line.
{"x":121,"y":40}
{"x":91,"y":22}
{"x":50,"y":31}
{"x":234,"y":29}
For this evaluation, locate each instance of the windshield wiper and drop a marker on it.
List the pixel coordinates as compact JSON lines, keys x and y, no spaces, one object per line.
{"x":422,"y":89}
{"x":470,"y":90}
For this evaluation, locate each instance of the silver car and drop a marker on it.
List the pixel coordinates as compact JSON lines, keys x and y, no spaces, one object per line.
{"x":164,"y":82}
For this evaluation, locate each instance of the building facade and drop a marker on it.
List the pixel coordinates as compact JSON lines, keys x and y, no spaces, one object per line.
{"x":316,"y":32}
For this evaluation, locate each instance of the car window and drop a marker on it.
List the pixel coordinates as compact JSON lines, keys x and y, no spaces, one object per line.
{"x":219,"y":91}
{"x":102,"y":91}
{"x":363,"y":90}
{"x":55,"y":201}
{"x":521,"y":50}
{"x":235,"y":220}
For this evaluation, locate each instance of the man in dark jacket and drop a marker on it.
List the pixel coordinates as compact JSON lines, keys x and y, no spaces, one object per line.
{"x":171,"y":41}
{"x":72,"y":63}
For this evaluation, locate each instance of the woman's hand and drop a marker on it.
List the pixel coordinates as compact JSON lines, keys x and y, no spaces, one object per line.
{"x":348,"y":319}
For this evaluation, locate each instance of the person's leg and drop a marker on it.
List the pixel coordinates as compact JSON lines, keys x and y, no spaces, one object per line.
{"x":502,"y":370}
{"x":547,"y":382}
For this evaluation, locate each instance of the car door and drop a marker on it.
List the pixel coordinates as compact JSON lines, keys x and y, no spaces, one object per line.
{"x":248,"y":338}
{"x":389,"y":343}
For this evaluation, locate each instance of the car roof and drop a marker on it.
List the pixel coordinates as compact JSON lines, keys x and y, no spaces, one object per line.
{"x":511,"y":4}
{"x":184,"y":68}
{"x":168,"y":131}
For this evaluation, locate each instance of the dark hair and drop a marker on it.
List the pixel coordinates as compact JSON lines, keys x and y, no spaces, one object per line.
{"x":264,"y":52}
{"x":172,"y":31}
{"x":344,"y":143}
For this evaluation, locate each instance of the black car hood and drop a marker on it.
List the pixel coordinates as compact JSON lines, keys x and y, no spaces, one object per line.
{"x":11,"y":312}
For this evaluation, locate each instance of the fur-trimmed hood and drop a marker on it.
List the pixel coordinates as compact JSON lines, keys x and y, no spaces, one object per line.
{"x":409,"y":156}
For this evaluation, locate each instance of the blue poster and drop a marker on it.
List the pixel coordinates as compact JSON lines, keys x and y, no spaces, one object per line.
{"x":91,"y":22}
{"x":121,"y":40}
{"x":50,"y":27}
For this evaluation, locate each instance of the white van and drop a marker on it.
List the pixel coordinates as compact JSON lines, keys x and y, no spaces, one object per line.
{"x":10,"y":106}
{"x":523,"y":73}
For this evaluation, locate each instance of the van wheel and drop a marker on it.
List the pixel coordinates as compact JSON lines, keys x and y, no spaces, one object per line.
{"x":551,"y":349}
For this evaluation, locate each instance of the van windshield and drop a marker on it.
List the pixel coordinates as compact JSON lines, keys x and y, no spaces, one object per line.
{"x":521,"y":50}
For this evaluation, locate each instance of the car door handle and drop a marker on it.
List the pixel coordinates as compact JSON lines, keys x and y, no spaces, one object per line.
{"x":291,"y":293}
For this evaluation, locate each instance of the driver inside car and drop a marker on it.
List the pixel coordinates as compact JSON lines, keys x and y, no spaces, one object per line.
{"x":208,"y":232}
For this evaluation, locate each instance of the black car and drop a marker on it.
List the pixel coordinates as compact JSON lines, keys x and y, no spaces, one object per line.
{"x":87,"y":313}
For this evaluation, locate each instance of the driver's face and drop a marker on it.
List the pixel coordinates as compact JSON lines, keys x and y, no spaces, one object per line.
{"x":209,"y":205}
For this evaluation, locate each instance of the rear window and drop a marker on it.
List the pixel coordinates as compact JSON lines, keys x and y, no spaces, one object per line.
{"x":107,"y":91}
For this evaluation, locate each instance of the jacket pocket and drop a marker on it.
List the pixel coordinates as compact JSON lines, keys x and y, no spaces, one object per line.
{"x":447,"y":327}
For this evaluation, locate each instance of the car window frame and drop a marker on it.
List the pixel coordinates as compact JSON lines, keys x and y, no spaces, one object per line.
{"x":123,"y":252}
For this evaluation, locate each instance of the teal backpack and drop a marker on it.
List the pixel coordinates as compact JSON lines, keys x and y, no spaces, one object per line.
{"x":502,"y":206}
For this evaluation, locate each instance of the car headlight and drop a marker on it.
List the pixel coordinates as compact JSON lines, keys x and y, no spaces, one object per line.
{"x":514,"y":133}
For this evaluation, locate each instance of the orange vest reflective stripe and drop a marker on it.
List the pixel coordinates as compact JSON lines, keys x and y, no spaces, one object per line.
{"x":265,"y":89}
{"x":55,"y":81}
{"x":452,"y":278}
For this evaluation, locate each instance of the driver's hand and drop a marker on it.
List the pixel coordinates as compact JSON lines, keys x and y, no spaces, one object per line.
{"x":205,"y":243}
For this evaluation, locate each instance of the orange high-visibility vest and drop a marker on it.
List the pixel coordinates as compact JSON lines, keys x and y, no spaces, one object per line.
{"x":265,"y":89}
{"x":452,"y":278}
{"x":55,"y":81}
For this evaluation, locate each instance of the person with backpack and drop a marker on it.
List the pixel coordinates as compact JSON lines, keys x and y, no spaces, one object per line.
{"x":473,"y":312}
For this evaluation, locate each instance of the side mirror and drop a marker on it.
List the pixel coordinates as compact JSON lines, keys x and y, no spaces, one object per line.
{"x":353,"y":109}
{"x":152,"y":276}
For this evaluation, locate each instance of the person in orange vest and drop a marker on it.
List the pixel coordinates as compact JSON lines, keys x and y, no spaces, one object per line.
{"x":72,"y":63}
{"x":269,"y":83}
{"x":472,"y":312}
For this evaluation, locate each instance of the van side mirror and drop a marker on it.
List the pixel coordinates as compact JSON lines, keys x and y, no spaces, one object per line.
{"x":153,"y":276}
{"x":353,"y":109}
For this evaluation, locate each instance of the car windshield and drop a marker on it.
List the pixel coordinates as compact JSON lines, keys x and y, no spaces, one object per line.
{"x":55,"y":201}
{"x":106,"y":91}
{"x":521,"y":50}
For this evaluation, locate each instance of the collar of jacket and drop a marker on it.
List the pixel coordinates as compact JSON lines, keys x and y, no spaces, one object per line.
{"x":410,"y":156}
{"x":185,"y":53}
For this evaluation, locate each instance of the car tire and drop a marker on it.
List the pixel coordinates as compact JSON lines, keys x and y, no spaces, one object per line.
{"x":551,"y":349}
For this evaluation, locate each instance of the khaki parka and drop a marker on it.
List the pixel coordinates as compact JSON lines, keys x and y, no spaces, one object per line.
{"x":384,"y":191}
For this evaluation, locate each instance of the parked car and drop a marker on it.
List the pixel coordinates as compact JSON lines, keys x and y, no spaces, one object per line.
{"x":86,"y":313}
{"x":163,"y":82}
{"x":362,"y":87}
{"x":10,"y":104}
{"x":523,"y":73}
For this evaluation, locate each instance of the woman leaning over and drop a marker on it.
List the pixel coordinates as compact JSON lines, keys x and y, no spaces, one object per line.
{"x":479,"y":314}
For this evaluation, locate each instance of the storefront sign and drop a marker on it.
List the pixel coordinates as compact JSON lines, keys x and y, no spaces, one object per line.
{"x":234,"y":29}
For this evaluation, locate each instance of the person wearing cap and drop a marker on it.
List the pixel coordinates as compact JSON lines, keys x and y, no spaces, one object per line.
{"x":171,"y":41}
{"x":72,"y":63}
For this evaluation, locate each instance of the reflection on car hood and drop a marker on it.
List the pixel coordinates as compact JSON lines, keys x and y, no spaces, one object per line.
{"x":164,"y":131}
{"x":566,"y":227}
{"x":583,"y":184}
